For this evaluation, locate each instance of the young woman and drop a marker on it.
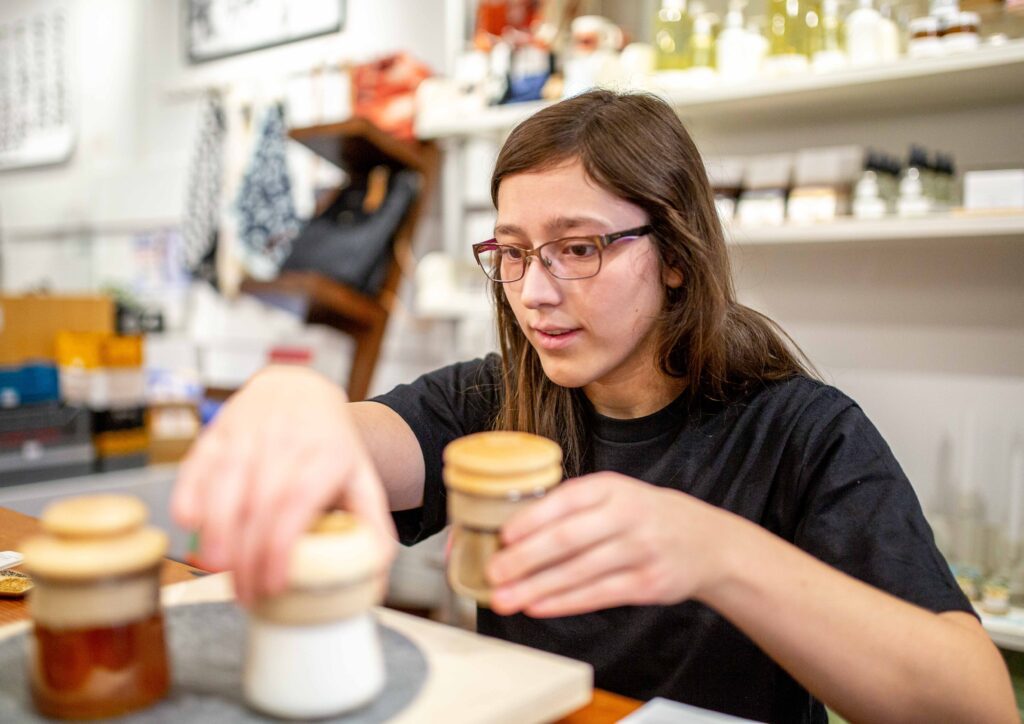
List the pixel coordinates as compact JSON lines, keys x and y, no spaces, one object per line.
{"x":733,"y":534}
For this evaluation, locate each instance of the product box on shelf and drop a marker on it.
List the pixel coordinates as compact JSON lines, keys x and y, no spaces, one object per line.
{"x":1001,"y":190}
{"x":29,"y":323}
{"x":28,"y":384}
{"x":44,"y":441}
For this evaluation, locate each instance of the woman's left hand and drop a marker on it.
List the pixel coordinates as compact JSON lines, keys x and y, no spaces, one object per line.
{"x":606,"y":540}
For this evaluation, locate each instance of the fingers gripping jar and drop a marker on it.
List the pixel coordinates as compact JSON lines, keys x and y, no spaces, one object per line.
{"x":489,"y":477}
{"x":98,"y":647}
{"x":314,"y":650}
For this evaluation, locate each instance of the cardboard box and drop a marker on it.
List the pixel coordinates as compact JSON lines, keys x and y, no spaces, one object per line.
{"x":29,"y":323}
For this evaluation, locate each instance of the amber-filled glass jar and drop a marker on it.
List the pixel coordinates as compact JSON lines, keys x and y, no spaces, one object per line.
{"x":489,"y":477}
{"x":314,"y":650}
{"x":98,"y":648}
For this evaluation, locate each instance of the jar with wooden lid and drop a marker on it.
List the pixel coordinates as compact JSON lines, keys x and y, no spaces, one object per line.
{"x":98,"y":647}
{"x":489,"y":477}
{"x":313,"y":650}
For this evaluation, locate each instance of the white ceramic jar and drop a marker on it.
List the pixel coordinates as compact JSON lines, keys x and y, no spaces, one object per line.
{"x":314,"y":650}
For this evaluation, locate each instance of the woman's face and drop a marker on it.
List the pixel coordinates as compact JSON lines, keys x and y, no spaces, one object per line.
{"x":587,"y":332}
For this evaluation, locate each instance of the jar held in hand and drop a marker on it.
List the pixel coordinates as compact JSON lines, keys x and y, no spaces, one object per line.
{"x":313,"y":650}
{"x":490,"y":476}
{"x":98,"y":647}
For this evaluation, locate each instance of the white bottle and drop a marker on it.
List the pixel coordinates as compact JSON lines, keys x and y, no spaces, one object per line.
{"x":863,"y":32}
{"x":736,"y":53}
{"x":888,"y":37}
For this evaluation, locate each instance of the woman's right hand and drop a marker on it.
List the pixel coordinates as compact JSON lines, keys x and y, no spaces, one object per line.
{"x":281,"y":451}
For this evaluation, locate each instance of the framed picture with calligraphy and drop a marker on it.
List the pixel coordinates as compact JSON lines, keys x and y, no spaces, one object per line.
{"x":37,"y":122}
{"x":219,"y":28}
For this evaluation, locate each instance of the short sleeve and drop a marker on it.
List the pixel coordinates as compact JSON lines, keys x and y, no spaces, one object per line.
{"x":861,"y":515}
{"x":441,"y":406}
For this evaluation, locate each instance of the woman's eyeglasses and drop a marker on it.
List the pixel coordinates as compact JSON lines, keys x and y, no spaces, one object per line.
{"x":574,"y":257}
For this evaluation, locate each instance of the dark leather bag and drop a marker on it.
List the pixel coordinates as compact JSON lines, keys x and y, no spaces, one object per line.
{"x":349,"y":245}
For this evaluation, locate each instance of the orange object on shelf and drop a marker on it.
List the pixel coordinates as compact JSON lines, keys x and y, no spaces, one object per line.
{"x":121,"y":442}
{"x":384,"y":92}
{"x":91,"y":350}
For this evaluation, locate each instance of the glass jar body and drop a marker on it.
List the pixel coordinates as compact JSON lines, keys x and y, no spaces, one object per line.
{"x":476,"y":522}
{"x":98,"y":648}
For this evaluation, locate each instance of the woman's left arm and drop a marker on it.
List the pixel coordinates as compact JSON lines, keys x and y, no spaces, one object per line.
{"x":608,"y":540}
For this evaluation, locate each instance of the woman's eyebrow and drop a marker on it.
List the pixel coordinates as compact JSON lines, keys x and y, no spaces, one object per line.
{"x":554,"y":226}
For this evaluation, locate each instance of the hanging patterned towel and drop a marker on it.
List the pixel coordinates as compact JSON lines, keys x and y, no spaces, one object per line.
{"x":202,"y":203}
{"x":266,"y":215}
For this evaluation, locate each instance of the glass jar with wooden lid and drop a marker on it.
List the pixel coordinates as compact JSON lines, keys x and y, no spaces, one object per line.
{"x":314,"y":650}
{"x":489,"y":477}
{"x":98,"y":647}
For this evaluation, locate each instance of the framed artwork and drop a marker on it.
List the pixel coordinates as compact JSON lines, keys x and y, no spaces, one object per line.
{"x":36,"y":119}
{"x":219,"y":28}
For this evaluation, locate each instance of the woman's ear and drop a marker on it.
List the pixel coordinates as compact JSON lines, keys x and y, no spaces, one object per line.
{"x":672,"y":277}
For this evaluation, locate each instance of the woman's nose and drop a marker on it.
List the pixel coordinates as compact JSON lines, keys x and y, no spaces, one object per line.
{"x":538,"y":286}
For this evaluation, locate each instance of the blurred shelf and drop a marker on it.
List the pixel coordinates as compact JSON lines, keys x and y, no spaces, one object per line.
{"x":988,"y":75}
{"x":357,"y":145}
{"x":1006,"y":631}
{"x":852,"y":231}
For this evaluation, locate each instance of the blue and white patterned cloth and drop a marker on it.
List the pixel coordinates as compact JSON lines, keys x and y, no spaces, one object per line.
{"x":202,"y":204}
{"x":266,"y":214}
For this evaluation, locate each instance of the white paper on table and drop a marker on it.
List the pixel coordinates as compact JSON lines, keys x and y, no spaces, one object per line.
{"x":665,"y":711}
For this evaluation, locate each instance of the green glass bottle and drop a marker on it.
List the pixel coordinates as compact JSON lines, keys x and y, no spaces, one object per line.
{"x":701,"y":48}
{"x":787,"y":28}
{"x":672,"y":31}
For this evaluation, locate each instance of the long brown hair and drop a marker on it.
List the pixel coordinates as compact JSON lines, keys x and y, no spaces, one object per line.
{"x":634,"y":146}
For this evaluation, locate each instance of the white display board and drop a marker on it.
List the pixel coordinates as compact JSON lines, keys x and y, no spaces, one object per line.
{"x":36,"y":125}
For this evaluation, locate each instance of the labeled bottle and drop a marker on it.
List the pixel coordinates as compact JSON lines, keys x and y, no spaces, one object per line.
{"x":924,"y":38}
{"x":888,"y":35}
{"x":829,"y":54}
{"x":98,"y":639}
{"x":915,"y":188}
{"x":672,"y":30}
{"x":736,"y":52}
{"x":313,"y":650}
{"x":490,"y":476}
{"x":787,"y":38}
{"x":701,"y":48}
{"x":960,"y":32}
{"x":863,"y":31}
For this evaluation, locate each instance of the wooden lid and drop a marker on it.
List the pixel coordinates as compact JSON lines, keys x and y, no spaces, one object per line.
{"x":94,"y":515}
{"x":94,"y":537}
{"x":501,"y":463}
{"x":338,"y":548}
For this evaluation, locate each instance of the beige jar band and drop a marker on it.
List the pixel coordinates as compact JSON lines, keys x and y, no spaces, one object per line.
{"x":313,"y":606}
{"x":71,"y":606}
{"x":482,"y":512}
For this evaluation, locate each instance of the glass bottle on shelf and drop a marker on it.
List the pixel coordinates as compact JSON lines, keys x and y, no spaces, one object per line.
{"x":787,"y":37}
{"x":701,"y":48}
{"x":672,"y":30}
{"x":828,"y":52}
{"x":863,"y":33}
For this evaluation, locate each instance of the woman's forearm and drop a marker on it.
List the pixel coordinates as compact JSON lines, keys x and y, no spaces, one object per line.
{"x":868,"y":655}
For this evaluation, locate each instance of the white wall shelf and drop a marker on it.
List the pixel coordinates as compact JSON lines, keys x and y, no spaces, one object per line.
{"x":850,"y":231}
{"x":989,"y":75}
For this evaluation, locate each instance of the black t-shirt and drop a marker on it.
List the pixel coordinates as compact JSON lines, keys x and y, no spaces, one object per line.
{"x":798,"y":458}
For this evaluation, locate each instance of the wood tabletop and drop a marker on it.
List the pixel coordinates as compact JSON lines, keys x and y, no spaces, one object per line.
{"x":604,"y":708}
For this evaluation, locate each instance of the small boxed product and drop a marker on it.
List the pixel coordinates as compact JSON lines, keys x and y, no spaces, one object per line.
{"x":1001,"y":190}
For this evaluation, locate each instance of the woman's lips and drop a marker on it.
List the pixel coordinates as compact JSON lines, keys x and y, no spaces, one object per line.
{"x":555,"y":339}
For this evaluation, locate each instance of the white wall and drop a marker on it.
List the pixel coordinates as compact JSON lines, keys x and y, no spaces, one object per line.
{"x":137,"y":107}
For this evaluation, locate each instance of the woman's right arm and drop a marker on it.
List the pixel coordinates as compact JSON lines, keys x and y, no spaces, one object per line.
{"x":284,"y":448}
